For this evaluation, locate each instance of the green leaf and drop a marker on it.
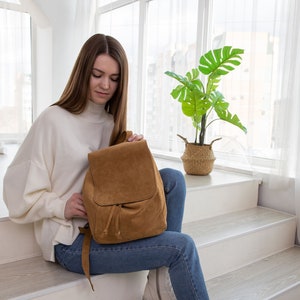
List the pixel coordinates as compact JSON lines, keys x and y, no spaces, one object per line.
{"x":233,"y":119}
{"x":187,"y":108}
{"x":176,"y":92}
{"x":219,"y":60}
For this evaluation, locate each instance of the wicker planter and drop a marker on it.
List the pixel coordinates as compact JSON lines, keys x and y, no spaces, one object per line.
{"x":198,"y":160}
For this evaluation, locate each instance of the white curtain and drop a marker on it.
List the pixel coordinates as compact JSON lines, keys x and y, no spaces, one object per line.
{"x":84,"y":21}
{"x":15,"y":74}
{"x":287,"y":171}
{"x":290,"y":118}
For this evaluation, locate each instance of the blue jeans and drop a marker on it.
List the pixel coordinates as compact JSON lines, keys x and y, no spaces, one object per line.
{"x":172,"y":249}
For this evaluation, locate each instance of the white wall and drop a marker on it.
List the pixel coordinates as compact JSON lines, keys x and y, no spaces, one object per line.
{"x":279,"y":196}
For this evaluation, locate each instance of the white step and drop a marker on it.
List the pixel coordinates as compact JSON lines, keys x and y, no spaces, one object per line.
{"x":17,"y":241}
{"x":228,"y":242}
{"x":276,"y":277}
{"x":33,"y":278}
{"x":219,"y":193}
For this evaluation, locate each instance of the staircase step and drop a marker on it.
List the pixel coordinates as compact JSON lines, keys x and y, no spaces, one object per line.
{"x":34,"y":278}
{"x":276,"y":277}
{"x":228,"y":242}
{"x":13,"y":235}
{"x":219,"y":193}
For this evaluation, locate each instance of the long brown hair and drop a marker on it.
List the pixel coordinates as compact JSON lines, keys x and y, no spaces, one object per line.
{"x":74,"y":96}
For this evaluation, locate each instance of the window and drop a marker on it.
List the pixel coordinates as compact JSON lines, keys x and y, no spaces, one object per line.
{"x":254,"y":88}
{"x":127,"y":30}
{"x":15,"y":73}
{"x":171,"y":35}
{"x":15,"y":84}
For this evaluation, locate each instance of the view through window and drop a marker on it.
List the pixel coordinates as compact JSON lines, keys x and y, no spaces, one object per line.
{"x":167,"y":35}
{"x":15,"y":74}
{"x":15,"y":86}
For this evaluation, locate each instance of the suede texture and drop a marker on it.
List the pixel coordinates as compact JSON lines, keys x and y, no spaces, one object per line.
{"x":123,"y":194}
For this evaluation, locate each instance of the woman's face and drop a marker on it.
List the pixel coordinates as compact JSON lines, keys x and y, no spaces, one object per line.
{"x":104,"y":79}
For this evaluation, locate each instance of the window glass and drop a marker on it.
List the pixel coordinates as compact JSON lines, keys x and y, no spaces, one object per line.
{"x":169,"y":40}
{"x":253,"y":88}
{"x":104,"y":2}
{"x":15,"y":74}
{"x":122,"y":24}
{"x":13,"y":1}
{"x":171,"y":45}
{"x":15,"y":86}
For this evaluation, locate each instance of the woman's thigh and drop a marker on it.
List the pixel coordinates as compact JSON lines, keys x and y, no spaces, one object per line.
{"x":144,"y":254}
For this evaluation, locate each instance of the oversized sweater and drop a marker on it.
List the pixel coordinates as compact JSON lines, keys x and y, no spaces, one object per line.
{"x":49,"y":167}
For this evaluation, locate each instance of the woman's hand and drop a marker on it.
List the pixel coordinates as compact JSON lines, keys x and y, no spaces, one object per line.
{"x":135,"y":137}
{"x":74,"y":207}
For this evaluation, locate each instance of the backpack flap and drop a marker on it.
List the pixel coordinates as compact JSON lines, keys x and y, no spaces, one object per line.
{"x":122,"y":173}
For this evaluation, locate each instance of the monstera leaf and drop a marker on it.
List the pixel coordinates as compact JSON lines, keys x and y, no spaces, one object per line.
{"x":199,"y":100}
{"x":217,"y":63}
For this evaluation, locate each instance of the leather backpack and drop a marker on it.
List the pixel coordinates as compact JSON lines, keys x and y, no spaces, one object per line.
{"x":123,"y":196}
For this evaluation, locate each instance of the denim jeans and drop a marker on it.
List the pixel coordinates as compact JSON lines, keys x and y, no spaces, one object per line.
{"x":172,"y":249}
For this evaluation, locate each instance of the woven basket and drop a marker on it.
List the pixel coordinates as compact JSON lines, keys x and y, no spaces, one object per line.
{"x":198,"y":160}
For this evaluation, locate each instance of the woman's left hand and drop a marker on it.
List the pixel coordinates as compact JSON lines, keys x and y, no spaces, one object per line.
{"x":135,"y":137}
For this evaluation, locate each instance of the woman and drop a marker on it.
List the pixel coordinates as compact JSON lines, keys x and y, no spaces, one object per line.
{"x":43,"y":183}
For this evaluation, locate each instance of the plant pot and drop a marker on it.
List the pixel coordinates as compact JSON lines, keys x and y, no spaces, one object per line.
{"x":198,"y":160}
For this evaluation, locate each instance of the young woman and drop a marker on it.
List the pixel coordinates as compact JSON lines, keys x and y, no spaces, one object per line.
{"x":43,"y":183}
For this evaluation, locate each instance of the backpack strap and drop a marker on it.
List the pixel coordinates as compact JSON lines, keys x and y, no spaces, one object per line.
{"x":85,"y":253}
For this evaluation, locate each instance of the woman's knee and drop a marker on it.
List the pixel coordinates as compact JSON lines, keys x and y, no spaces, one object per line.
{"x":171,"y":174}
{"x":187,"y":252}
{"x":188,"y":241}
{"x":172,"y":178}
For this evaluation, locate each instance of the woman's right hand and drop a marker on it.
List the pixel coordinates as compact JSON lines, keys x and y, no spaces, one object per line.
{"x":74,"y":207}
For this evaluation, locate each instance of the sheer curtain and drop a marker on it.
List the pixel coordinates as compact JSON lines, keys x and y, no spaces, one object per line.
{"x":15,"y":83}
{"x":287,"y":129}
{"x":84,"y":21}
{"x":15,"y":74}
{"x":289,"y":120}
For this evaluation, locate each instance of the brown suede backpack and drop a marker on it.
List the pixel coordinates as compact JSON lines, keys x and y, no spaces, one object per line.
{"x":123,"y":196}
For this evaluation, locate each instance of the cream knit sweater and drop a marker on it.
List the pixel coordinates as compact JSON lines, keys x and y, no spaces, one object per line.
{"x":49,"y":167}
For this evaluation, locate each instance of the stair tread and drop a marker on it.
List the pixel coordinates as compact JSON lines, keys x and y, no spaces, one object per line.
{"x":260,"y":280}
{"x":31,"y":275}
{"x":217,"y":178}
{"x":32,"y":278}
{"x":212,"y":230}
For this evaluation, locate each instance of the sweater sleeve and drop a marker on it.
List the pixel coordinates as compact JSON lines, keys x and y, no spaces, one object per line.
{"x":27,"y":189}
{"x":28,"y":196}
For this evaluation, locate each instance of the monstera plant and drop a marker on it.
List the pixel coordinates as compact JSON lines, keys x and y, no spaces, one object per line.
{"x":198,"y":91}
